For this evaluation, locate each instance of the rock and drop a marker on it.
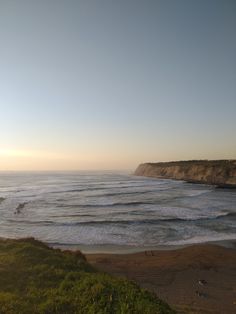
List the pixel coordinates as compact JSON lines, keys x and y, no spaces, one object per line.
{"x":19,"y":208}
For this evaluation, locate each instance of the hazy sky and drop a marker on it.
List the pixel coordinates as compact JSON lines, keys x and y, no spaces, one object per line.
{"x":107,"y":84}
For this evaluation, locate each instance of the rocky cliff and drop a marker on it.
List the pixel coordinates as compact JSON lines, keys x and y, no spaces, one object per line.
{"x":217,"y":172}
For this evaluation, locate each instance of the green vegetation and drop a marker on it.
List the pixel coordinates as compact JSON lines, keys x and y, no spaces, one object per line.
{"x":37,"y":279}
{"x":223,"y":163}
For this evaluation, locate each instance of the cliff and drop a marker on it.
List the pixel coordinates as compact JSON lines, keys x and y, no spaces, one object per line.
{"x":216,"y":172}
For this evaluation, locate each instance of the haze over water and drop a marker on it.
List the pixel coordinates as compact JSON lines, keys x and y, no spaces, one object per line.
{"x":113,"y":209}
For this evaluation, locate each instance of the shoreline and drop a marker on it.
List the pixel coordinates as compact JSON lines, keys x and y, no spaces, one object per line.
{"x":122,"y":249}
{"x":199,"y":278}
{"x":110,"y":249}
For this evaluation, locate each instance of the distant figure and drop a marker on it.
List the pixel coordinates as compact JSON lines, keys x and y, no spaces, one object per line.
{"x":202,"y":282}
{"x":149,"y":253}
{"x":201,"y":294}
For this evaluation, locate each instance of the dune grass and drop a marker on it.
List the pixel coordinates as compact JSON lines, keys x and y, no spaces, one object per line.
{"x":37,"y":279}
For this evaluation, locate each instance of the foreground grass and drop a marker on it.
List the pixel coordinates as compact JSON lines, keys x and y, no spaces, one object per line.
{"x":37,"y":279}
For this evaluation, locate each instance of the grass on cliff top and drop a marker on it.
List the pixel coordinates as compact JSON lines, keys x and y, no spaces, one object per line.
{"x":224,"y":163}
{"x":37,"y":279}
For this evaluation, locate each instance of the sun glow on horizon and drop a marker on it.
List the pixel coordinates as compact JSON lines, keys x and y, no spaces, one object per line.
{"x":26,"y":159}
{"x":8,"y":152}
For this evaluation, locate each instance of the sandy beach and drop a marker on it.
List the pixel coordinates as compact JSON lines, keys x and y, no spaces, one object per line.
{"x":195,"y":279}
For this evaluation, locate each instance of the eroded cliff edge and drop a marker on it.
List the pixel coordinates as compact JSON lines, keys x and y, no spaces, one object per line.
{"x":216,"y":172}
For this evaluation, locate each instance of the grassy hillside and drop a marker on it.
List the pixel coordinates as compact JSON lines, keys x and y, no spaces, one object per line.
{"x":37,"y":279}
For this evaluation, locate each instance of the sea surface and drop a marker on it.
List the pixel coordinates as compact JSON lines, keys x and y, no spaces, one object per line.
{"x":113,"y":209}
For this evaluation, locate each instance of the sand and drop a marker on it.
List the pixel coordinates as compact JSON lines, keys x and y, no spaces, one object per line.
{"x":195,"y":279}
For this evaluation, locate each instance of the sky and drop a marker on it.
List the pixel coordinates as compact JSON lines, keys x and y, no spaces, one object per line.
{"x":108,"y":84}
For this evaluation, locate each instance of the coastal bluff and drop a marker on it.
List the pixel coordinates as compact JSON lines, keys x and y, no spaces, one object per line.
{"x":221,"y":173}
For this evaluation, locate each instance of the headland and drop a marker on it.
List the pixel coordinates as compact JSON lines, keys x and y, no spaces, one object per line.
{"x":221,"y":173}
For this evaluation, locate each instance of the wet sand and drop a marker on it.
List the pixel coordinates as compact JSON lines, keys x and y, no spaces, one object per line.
{"x":195,"y":279}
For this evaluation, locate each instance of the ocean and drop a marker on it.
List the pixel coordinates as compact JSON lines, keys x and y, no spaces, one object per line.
{"x":113,"y":211}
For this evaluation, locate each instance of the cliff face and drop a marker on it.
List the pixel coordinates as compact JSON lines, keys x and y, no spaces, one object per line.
{"x":217,"y":172}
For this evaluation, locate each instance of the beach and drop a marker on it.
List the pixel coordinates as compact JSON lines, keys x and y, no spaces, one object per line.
{"x":195,"y":279}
